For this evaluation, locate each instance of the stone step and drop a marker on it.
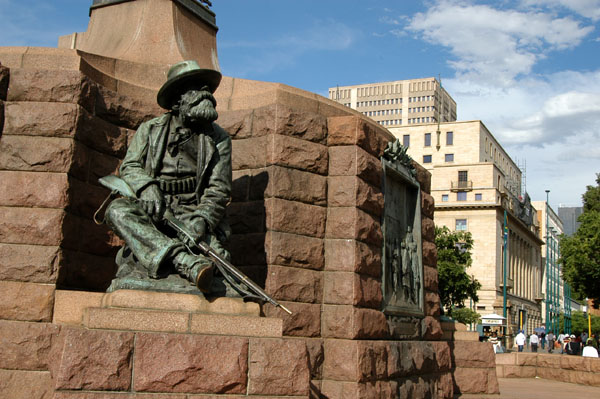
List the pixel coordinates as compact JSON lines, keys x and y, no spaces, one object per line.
{"x":181,"y":322}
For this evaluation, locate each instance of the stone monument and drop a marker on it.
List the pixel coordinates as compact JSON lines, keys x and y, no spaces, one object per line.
{"x":312,"y":220}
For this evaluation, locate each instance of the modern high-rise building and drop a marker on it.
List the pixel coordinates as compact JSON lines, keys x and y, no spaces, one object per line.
{"x":569,"y":215}
{"x":473,"y":181}
{"x":399,"y":103}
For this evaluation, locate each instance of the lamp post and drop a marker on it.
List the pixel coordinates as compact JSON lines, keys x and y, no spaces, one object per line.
{"x":505,"y":243}
{"x":547,"y":266}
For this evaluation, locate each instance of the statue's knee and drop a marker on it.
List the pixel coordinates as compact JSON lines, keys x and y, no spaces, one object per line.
{"x":116,"y":210}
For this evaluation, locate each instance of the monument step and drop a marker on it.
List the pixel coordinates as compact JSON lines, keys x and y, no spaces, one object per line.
{"x":181,"y":322}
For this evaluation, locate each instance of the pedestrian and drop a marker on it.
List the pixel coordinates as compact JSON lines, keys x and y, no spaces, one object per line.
{"x":550,"y":339}
{"x":566,"y":339}
{"x":534,"y":340}
{"x":543,"y":340}
{"x":520,"y":340}
{"x":584,"y":338}
{"x":561,"y":340}
{"x":589,"y":350}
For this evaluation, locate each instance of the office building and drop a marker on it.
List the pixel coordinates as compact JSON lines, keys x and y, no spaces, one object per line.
{"x":399,"y":103}
{"x":473,"y":181}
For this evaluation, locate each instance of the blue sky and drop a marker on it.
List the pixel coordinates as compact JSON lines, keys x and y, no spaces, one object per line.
{"x":529,"y":69}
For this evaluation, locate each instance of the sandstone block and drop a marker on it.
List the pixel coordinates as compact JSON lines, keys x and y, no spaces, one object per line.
{"x":411,"y":357}
{"x":124,"y":111}
{"x":244,"y":326}
{"x":83,"y":234}
{"x":432,"y":304}
{"x":316,"y":356}
{"x":69,"y":306}
{"x":474,"y":354}
{"x":443,"y":355}
{"x":251,"y":153}
{"x":278,"y":367}
{"x":135,"y":299}
{"x":341,"y":390}
{"x":424,"y":178}
{"x":418,"y":387}
{"x":34,"y":189}
{"x":298,"y":154}
{"x":17,"y":384}
{"x":293,"y":284}
{"x":576,"y":363}
{"x":346,"y":191}
{"x":372,"y":361}
{"x":295,"y":217}
{"x":124,"y":395}
{"x":36,"y":154}
{"x":352,"y":256}
{"x":101,"y":135}
{"x":94,"y":360}
{"x":2,"y":115}
{"x":82,"y":270}
{"x":305,"y":320}
{"x":31,"y":225}
{"x":283,"y":120}
{"x":237,"y":123}
{"x":345,"y":321}
{"x":294,"y":250}
{"x":430,"y":278}
{"x":193,"y":363}
{"x":41,"y":119}
{"x":471,"y":380}
{"x":354,"y":161}
{"x":431,"y":328}
{"x":429,"y":254}
{"x":136,"y":320}
{"x":355,"y":130}
{"x":85,"y":198}
{"x":341,"y":360}
{"x":52,"y":86}
{"x":247,"y":217}
{"x":26,"y":301}
{"x":509,"y":358}
{"x":352,"y":223}
{"x":428,"y":229}
{"x":345,"y":288}
{"x":530,"y":359}
{"x":26,"y":346}
{"x":29,"y":263}
{"x":427,"y":205}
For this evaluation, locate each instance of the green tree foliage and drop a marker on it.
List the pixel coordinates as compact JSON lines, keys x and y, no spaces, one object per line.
{"x":580,"y":253}
{"x":465,"y":315}
{"x":579,"y":323}
{"x":454,"y":257}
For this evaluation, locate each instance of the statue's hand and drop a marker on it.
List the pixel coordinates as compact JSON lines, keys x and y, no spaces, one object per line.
{"x":152,"y":201}
{"x":198,"y":225}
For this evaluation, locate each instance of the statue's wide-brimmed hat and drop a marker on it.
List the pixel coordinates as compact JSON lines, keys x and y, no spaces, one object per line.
{"x":183,"y":75}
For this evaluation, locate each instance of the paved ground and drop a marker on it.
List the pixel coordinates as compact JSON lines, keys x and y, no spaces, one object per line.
{"x":538,"y":388}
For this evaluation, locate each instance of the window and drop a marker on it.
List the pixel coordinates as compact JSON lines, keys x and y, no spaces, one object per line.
{"x":444,"y":197}
{"x":461,"y":196}
{"x":449,"y":138}
{"x":427,"y":139}
{"x":449,"y":158}
{"x":461,"y":225}
{"x":463,"y":175}
{"x":406,"y":140}
{"x":426,"y":158}
{"x":478,"y":197}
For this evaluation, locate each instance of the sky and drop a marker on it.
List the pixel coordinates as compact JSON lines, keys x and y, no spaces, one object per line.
{"x":529,"y":69}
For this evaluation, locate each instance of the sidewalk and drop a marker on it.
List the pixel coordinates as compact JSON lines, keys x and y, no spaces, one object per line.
{"x":538,"y":388}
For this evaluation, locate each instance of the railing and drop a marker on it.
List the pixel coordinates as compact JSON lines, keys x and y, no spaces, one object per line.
{"x":462,"y":185}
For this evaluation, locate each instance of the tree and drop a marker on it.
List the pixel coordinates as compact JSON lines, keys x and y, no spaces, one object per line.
{"x":454,"y":257}
{"x":580,"y":253}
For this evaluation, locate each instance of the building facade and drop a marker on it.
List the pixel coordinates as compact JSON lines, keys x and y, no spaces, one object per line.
{"x":399,"y":103}
{"x":569,"y":215}
{"x":473,"y":182}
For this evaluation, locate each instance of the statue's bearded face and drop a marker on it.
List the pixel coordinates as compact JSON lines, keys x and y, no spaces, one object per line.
{"x":197,"y":106}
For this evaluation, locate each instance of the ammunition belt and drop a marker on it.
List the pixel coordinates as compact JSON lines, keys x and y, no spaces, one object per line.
{"x":177,"y":186}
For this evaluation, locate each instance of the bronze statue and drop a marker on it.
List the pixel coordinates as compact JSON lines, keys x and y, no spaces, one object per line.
{"x":179,"y":162}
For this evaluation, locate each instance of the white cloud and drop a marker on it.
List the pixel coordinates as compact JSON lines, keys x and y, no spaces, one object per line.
{"x":495,"y":45}
{"x":585,"y":8}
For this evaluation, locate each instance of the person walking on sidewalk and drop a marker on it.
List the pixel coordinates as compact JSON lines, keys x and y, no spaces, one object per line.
{"x":550,"y":338}
{"x":520,"y":340}
{"x":534,"y":340}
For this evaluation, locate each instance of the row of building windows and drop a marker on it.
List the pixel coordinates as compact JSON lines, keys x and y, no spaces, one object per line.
{"x":379,"y":102}
{"x":461,"y":196}
{"x":379,"y":90}
{"x":447,"y":158}
{"x":424,"y":119}
{"x":427,"y":139}
{"x":391,"y":122}
{"x":419,"y":99}
{"x":421,"y":109}
{"x":383,"y":112}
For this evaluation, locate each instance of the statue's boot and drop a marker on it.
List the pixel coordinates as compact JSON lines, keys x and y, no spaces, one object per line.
{"x":197,"y":269}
